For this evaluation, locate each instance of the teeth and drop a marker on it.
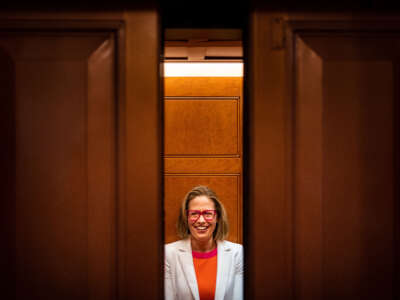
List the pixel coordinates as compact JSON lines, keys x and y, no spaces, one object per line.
{"x":202,"y":228}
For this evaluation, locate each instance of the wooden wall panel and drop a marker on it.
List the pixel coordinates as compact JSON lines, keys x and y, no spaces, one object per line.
{"x":344,"y":175}
{"x":321,"y":181}
{"x":203,"y":145}
{"x":65,"y":166}
{"x":228,"y":187}
{"x":92,"y":135}
{"x":201,"y":127}
{"x":202,"y":165}
{"x":308,"y":187}
{"x":141,"y":257}
{"x":267,"y":228}
{"x":359,"y":180}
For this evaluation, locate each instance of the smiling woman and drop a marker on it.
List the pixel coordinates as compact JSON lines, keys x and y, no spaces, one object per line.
{"x":203,"y":265}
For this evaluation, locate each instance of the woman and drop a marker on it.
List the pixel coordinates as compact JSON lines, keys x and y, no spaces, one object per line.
{"x":203,"y":265}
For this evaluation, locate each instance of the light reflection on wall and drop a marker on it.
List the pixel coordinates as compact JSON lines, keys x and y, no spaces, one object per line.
{"x":203,"y":69}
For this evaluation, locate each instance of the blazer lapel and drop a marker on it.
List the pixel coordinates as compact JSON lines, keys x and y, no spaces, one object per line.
{"x":186,"y":261}
{"x":223,"y":269}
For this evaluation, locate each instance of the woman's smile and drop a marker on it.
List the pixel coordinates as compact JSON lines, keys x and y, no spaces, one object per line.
{"x":201,"y":229}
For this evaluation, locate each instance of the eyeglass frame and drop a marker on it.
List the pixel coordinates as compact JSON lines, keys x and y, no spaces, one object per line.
{"x":201,"y":213}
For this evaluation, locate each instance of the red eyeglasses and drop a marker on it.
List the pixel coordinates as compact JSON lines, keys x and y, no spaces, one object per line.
{"x":208,"y":215}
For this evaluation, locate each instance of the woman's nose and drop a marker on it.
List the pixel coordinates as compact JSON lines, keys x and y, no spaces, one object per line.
{"x":201,"y":219}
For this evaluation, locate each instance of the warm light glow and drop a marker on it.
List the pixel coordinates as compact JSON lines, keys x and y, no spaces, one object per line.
{"x":196,"y":69}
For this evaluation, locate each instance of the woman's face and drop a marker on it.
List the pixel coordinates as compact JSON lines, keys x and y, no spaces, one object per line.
{"x":203,"y":228}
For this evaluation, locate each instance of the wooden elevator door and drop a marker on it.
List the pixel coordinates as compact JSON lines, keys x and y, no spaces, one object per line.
{"x":203,"y":145}
{"x":345,"y":214}
{"x":71,"y":127}
{"x":323,"y":202}
{"x":59,"y":211}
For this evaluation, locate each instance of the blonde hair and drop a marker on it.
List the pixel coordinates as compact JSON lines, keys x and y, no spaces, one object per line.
{"x":222,"y":226}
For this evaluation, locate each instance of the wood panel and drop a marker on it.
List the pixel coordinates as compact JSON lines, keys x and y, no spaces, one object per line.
{"x":176,"y":187}
{"x":267,"y":228}
{"x":344,"y":179}
{"x":201,"y":126}
{"x":203,"y":144}
{"x":202,"y":86}
{"x":359,"y":182}
{"x":308,"y":189}
{"x":321,"y":213}
{"x":64,"y":90}
{"x":142,"y":248}
{"x":202,"y":165}
{"x":83,"y":243}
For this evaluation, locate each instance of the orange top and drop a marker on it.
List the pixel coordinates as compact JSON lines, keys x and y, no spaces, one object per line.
{"x":205,"y":265}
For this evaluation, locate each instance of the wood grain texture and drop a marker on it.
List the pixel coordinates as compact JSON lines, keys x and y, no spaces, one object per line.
{"x":267,"y":195}
{"x":308,"y":185}
{"x":201,"y":127}
{"x":102,"y":183}
{"x":63,"y":129}
{"x":142,"y":249}
{"x":344,"y":169}
{"x":202,"y":165}
{"x":73,"y":155}
{"x":359,"y":182}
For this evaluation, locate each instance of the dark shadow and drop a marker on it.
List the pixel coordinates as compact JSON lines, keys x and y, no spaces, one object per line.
{"x":8,"y":173}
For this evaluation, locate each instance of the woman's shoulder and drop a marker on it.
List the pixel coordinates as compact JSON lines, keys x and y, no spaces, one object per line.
{"x":173,"y":244}
{"x":235,"y":252}
{"x":231,"y":245}
{"x":178,"y":245}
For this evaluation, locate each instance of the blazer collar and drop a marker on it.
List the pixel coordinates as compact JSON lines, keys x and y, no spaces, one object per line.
{"x":186,"y":260}
{"x":223,"y":267}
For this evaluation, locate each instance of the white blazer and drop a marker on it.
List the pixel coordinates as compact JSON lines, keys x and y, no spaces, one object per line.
{"x":180,"y":276}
